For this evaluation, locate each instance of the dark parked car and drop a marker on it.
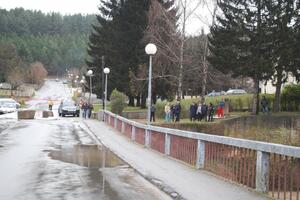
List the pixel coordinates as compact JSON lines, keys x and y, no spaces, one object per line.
{"x":68,"y":108}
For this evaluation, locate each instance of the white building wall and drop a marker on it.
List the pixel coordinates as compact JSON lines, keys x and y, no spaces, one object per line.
{"x":270,"y":89}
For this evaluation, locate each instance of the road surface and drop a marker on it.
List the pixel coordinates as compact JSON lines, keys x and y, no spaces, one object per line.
{"x":56,"y":159}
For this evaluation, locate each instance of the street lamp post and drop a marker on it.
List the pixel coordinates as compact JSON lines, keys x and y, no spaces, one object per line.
{"x":106,"y":71}
{"x":150,"y":50}
{"x":90,"y":74}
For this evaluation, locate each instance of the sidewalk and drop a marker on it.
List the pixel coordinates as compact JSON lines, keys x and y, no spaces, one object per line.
{"x":190,"y":183}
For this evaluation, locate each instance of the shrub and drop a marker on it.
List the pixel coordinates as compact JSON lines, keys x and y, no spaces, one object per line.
{"x":291,"y":97}
{"x":118,"y":102}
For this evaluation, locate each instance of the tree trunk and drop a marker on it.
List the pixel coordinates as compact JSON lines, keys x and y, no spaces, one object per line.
{"x":205,"y":69}
{"x":143,"y":101}
{"x":255,"y":102}
{"x":131,"y":100}
{"x":138,"y":100}
{"x":276,"y":105}
{"x":180,"y":77}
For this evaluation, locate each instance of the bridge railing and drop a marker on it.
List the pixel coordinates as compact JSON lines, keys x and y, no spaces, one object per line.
{"x":265,"y":167}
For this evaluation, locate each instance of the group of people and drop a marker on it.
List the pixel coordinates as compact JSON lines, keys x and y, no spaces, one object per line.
{"x":172,"y":112}
{"x":201,"y":111}
{"x":86,"y":109}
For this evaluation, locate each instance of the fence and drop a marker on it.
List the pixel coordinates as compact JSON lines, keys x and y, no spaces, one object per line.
{"x":265,"y":167}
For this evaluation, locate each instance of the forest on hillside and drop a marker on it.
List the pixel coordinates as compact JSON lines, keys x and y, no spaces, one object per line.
{"x":58,"y":42}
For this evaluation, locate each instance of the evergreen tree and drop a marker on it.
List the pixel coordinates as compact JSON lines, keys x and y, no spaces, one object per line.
{"x":281,"y":18}
{"x":239,"y":42}
{"x":118,"y":36}
{"x":103,"y":42}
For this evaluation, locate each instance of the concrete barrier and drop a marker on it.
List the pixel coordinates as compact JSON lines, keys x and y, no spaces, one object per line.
{"x":26,"y":114}
{"x":47,"y":114}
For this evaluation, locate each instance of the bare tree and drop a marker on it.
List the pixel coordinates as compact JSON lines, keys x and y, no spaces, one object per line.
{"x":208,"y":21}
{"x":15,"y":78}
{"x":187,"y":10}
{"x":36,"y":73}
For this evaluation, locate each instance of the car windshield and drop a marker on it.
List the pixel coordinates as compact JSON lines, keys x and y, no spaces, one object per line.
{"x":68,"y":104}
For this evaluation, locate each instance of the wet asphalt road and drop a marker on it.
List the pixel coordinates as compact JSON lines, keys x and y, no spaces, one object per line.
{"x":57,"y":159}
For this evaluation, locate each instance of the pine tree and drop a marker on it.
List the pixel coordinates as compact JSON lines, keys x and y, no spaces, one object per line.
{"x":239,"y":42}
{"x":281,"y":18}
{"x":118,"y":36}
{"x":102,"y":41}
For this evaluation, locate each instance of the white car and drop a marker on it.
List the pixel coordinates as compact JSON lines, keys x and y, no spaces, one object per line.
{"x":8,"y":105}
{"x":235,"y":91}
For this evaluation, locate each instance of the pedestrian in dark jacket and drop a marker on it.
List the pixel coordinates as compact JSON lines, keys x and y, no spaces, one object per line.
{"x":90,"y":110}
{"x":172,"y":112}
{"x":193,"y":110}
{"x":177,"y":110}
{"x":152,"y":113}
{"x":85,"y":110}
{"x":265,"y":105}
{"x":210,"y":111}
{"x":204,"y":111}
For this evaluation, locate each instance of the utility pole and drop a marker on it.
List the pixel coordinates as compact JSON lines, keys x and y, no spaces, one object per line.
{"x":102,"y":79}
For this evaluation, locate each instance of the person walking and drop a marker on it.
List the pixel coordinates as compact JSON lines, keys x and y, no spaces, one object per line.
{"x":50,"y":104}
{"x":177,"y":112}
{"x":152,"y":113}
{"x":199,"y":112}
{"x":265,"y":105}
{"x":204,"y":111}
{"x":85,"y":110}
{"x":90,"y":110}
{"x":211,"y":112}
{"x":172,"y":112}
{"x":222,"y":107}
{"x":167,"y":113}
{"x":193,"y":110}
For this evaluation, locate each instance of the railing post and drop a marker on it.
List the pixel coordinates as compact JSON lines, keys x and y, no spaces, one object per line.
{"x":167,"y":144}
{"x":123,"y":127}
{"x":262,"y":171}
{"x":200,"y":154}
{"x":147,"y":138}
{"x":133,"y":133}
{"x":115,"y":122}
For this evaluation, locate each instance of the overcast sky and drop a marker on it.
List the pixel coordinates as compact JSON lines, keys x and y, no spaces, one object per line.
{"x":194,"y":25}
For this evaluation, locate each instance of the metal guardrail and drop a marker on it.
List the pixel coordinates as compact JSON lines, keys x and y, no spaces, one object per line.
{"x":267,"y":167}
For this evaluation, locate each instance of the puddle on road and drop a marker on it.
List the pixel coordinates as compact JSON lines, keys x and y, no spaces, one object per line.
{"x":91,"y":156}
{"x":106,"y":177}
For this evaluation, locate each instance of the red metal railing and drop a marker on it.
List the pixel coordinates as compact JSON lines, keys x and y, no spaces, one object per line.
{"x":112,"y":121}
{"x":284,"y":179}
{"x":227,"y":160}
{"x":158,"y":141}
{"x":127,"y":130}
{"x":119,"y":125}
{"x":184,"y":149}
{"x":140,"y":135}
{"x":234,"y":163}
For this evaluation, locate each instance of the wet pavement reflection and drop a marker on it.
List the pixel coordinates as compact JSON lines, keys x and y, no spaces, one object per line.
{"x":91,"y":156}
{"x":59,"y":160}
